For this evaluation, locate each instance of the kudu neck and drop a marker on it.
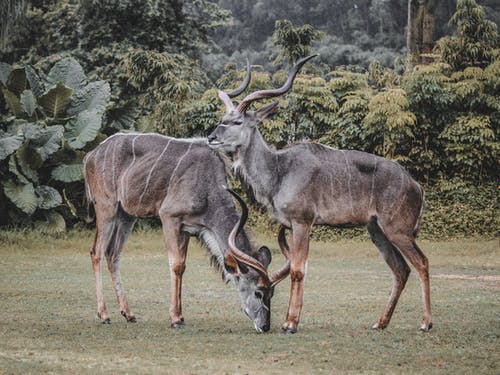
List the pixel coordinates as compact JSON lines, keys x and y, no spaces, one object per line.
{"x":258,"y":165}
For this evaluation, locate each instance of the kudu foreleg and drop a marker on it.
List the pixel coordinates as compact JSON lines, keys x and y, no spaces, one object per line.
{"x":176,"y":243}
{"x":102,"y":234}
{"x":298,"y":264}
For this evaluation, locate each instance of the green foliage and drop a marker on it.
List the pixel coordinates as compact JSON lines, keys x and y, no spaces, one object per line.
{"x":166,"y":84}
{"x":294,"y":42}
{"x":40,"y":143}
{"x":471,"y":146}
{"x":389,"y":122}
{"x":477,"y":40}
{"x":455,"y":208}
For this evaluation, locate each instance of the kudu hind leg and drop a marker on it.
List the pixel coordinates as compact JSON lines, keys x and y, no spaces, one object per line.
{"x":398,"y":266}
{"x":124,"y":224}
{"x":408,"y":247}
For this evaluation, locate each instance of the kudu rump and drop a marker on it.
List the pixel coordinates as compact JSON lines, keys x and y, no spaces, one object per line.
{"x":309,"y":183}
{"x":183,"y":183}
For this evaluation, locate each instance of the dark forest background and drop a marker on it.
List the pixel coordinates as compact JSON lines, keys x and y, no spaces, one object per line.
{"x":426,"y":95}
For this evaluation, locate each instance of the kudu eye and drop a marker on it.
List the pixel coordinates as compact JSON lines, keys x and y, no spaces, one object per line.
{"x":259,"y":294}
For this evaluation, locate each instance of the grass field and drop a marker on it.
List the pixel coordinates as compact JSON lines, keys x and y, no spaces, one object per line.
{"x":48,"y":305}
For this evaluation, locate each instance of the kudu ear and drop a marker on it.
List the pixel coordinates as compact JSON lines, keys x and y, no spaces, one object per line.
{"x":226,"y":100}
{"x":264,"y":256}
{"x":233,"y":266}
{"x":267,"y":111}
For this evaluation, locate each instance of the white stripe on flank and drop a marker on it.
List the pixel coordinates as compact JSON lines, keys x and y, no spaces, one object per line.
{"x":402,"y":196}
{"x":177,"y":166}
{"x":122,"y":198}
{"x":373,"y":181}
{"x":348,"y":181}
{"x":113,"y":170}
{"x":151,"y":171}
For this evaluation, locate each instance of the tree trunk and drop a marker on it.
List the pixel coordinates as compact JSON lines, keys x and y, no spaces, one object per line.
{"x":420,"y":35}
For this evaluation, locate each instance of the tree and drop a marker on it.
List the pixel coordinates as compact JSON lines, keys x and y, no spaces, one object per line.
{"x":420,"y":34}
{"x":476,"y":41}
{"x":294,"y":42}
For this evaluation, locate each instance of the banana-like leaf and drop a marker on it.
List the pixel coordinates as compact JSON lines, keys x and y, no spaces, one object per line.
{"x":9,"y":144}
{"x":36,"y":83}
{"x":122,"y":118}
{"x":13,"y":102}
{"x":28,"y":102}
{"x":54,"y":223}
{"x":68,"y":172}
{"x":93,"y":97}
{"x":14,"y":169}
{"x":17,"y":82}
{"x":31,"y":130}
{"x":29,"y":160}
{"x":23,"y":196}
{"x":5,"y":70}
{"x":56,"y":101}
{"x":83,"y":128}
{"x":68,"y":72}
{"x":48,"y":197}
{"x":49,"y":141}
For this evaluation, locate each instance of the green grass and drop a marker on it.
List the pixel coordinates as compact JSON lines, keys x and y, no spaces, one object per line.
{"x":48,"y":305}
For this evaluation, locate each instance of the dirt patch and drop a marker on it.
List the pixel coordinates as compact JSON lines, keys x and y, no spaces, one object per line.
{"x":495,"y":278}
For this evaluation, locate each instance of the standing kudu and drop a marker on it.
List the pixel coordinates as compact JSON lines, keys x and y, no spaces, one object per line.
{"x":182,"y":182}
{"x":311,"y":184}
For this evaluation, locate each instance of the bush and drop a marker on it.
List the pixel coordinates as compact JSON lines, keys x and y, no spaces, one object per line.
{"x":54,"y":119}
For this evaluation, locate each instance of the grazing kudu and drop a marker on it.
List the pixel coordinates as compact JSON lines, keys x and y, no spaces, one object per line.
{"x":181,"y":181}
{"x":310,"y":184}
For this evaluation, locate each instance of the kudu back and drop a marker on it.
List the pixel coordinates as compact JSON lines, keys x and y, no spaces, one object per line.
{"x":311,"y":184}
{"x":183,"y":182}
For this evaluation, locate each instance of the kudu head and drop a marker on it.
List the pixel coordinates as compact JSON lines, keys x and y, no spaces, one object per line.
{"x":238,"y":123}
{"x":255,"y":285}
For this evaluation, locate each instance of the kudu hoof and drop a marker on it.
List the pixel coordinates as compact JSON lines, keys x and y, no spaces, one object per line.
{"x":378,"y":327}
{"x":178,"y":325}
{"x":130,"y":319}
{"x":288,"y":331}
{"x":103,"y":321}
{"x":426,"y":328}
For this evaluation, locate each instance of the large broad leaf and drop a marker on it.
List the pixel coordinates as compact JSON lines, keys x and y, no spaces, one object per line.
{"x":68,"y":172}
{"x":9,"y":144}
{"x":68,"y":72}
{"x":13,"y":102}
{"x":17,"y":82}
{"x":5,"y":70}
{"x":31,"y":130}
{"x":48,"y":197}
{"x":93,"y":97}
{"x":54,"y":223}
{"x":23,"y":196}
{"x":83,"y":128}
{"x":36,"y":83}
{"x":29,"y":160}
{"x":14,"y":169}
{"x":122,"y":118}
{"x":56,"y":101}
{"x":28,"y":102}
{"x":49,"y":141}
